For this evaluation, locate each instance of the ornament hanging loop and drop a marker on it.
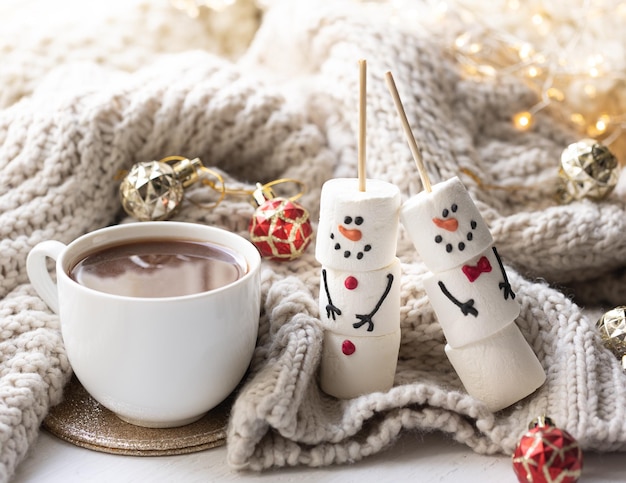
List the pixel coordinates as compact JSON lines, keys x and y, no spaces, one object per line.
{"x":187,"y":170}
{"x":221,"y":189}
{"x":264,"y":192}
{"x":540,"y":422}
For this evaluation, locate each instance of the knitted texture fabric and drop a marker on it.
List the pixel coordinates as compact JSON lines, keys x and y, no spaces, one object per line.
{"x":287,"y":109}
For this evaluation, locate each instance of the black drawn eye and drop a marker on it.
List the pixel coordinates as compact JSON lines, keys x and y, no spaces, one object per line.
{"x":473,"y":224}
{"x":367,"y":248}
{"x":438,"y":239}
{"x":461,"y":246}
{"x":358,"y":220}
{"x":347,"y":220}
{"x":454,"y":207}
{"x":448,"y":248}
{"x":445,"y":212}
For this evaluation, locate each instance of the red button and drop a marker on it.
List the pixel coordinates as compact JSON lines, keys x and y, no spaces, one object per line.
{"x":348,"y":348}
{"x":351,"y":283}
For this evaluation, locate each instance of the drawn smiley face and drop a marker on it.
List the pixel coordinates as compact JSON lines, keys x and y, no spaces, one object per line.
{"x":456,"y":232}
{"x":349,"y":238}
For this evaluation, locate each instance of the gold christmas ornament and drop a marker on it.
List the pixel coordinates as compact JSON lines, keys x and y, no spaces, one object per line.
{"x":153,"y":190}
{"x":588,"y":169}
{"x":612,"y":328}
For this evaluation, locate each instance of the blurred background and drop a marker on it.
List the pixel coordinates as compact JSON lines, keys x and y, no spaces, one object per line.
{"x":571,"y":52}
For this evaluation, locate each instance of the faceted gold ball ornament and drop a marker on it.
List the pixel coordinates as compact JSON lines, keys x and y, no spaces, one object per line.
{"x":612,"y":328}
{"x":151,"y":191}
{"x":588,"y":169}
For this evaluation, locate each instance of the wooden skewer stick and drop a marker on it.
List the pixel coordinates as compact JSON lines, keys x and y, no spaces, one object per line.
{"x":362,"y":123}
{"x":415,"y":150}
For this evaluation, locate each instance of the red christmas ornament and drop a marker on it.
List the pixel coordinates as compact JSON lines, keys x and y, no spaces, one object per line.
{"x":547,"y":454}
{"x":280,"y":228}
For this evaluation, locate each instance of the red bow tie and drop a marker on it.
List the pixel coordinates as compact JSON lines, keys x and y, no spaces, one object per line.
{"x":472,"y":272}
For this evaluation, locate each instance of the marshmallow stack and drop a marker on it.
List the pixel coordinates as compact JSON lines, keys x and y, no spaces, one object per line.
{"x":359,"y":287}
{"x":471,"y":295}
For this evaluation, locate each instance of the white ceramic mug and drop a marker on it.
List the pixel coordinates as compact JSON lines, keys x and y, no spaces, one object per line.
{"x":155,"y":362}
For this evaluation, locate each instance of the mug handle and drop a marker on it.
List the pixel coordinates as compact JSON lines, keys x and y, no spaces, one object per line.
{"x":38,"y":273}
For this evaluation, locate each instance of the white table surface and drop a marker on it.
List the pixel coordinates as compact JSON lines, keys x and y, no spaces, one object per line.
{"x":415,"y":457}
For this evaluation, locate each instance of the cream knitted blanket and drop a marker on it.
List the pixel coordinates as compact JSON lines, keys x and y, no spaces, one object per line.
{"x":287,"y":108}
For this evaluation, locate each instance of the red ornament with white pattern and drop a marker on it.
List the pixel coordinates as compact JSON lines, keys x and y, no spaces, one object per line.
{"x":547,"y":454}
{"x":280,"y":228}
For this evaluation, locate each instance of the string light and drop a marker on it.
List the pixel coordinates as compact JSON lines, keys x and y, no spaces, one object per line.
{"x":570,"y":53}
{"x":523,"y":120}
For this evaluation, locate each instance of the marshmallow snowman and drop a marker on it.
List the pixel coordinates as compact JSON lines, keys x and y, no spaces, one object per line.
{"x":471,"y":295}
{"x":359,"y":287}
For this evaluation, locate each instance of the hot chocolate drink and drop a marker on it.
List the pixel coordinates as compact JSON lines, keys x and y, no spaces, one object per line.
{"x":159,"y":268}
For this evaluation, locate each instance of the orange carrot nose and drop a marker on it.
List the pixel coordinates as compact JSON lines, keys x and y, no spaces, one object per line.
{"x":354,"y":235}
{"x":450,"y":224}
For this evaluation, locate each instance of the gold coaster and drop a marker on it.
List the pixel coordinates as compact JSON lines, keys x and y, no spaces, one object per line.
{"x":82,"y":421}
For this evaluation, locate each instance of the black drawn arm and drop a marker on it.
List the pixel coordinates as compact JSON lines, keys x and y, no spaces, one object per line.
{"x":367,"y":318}
{"x":504,"y":286}
{"x":331,"y":310}
{"x":466,"y":307}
